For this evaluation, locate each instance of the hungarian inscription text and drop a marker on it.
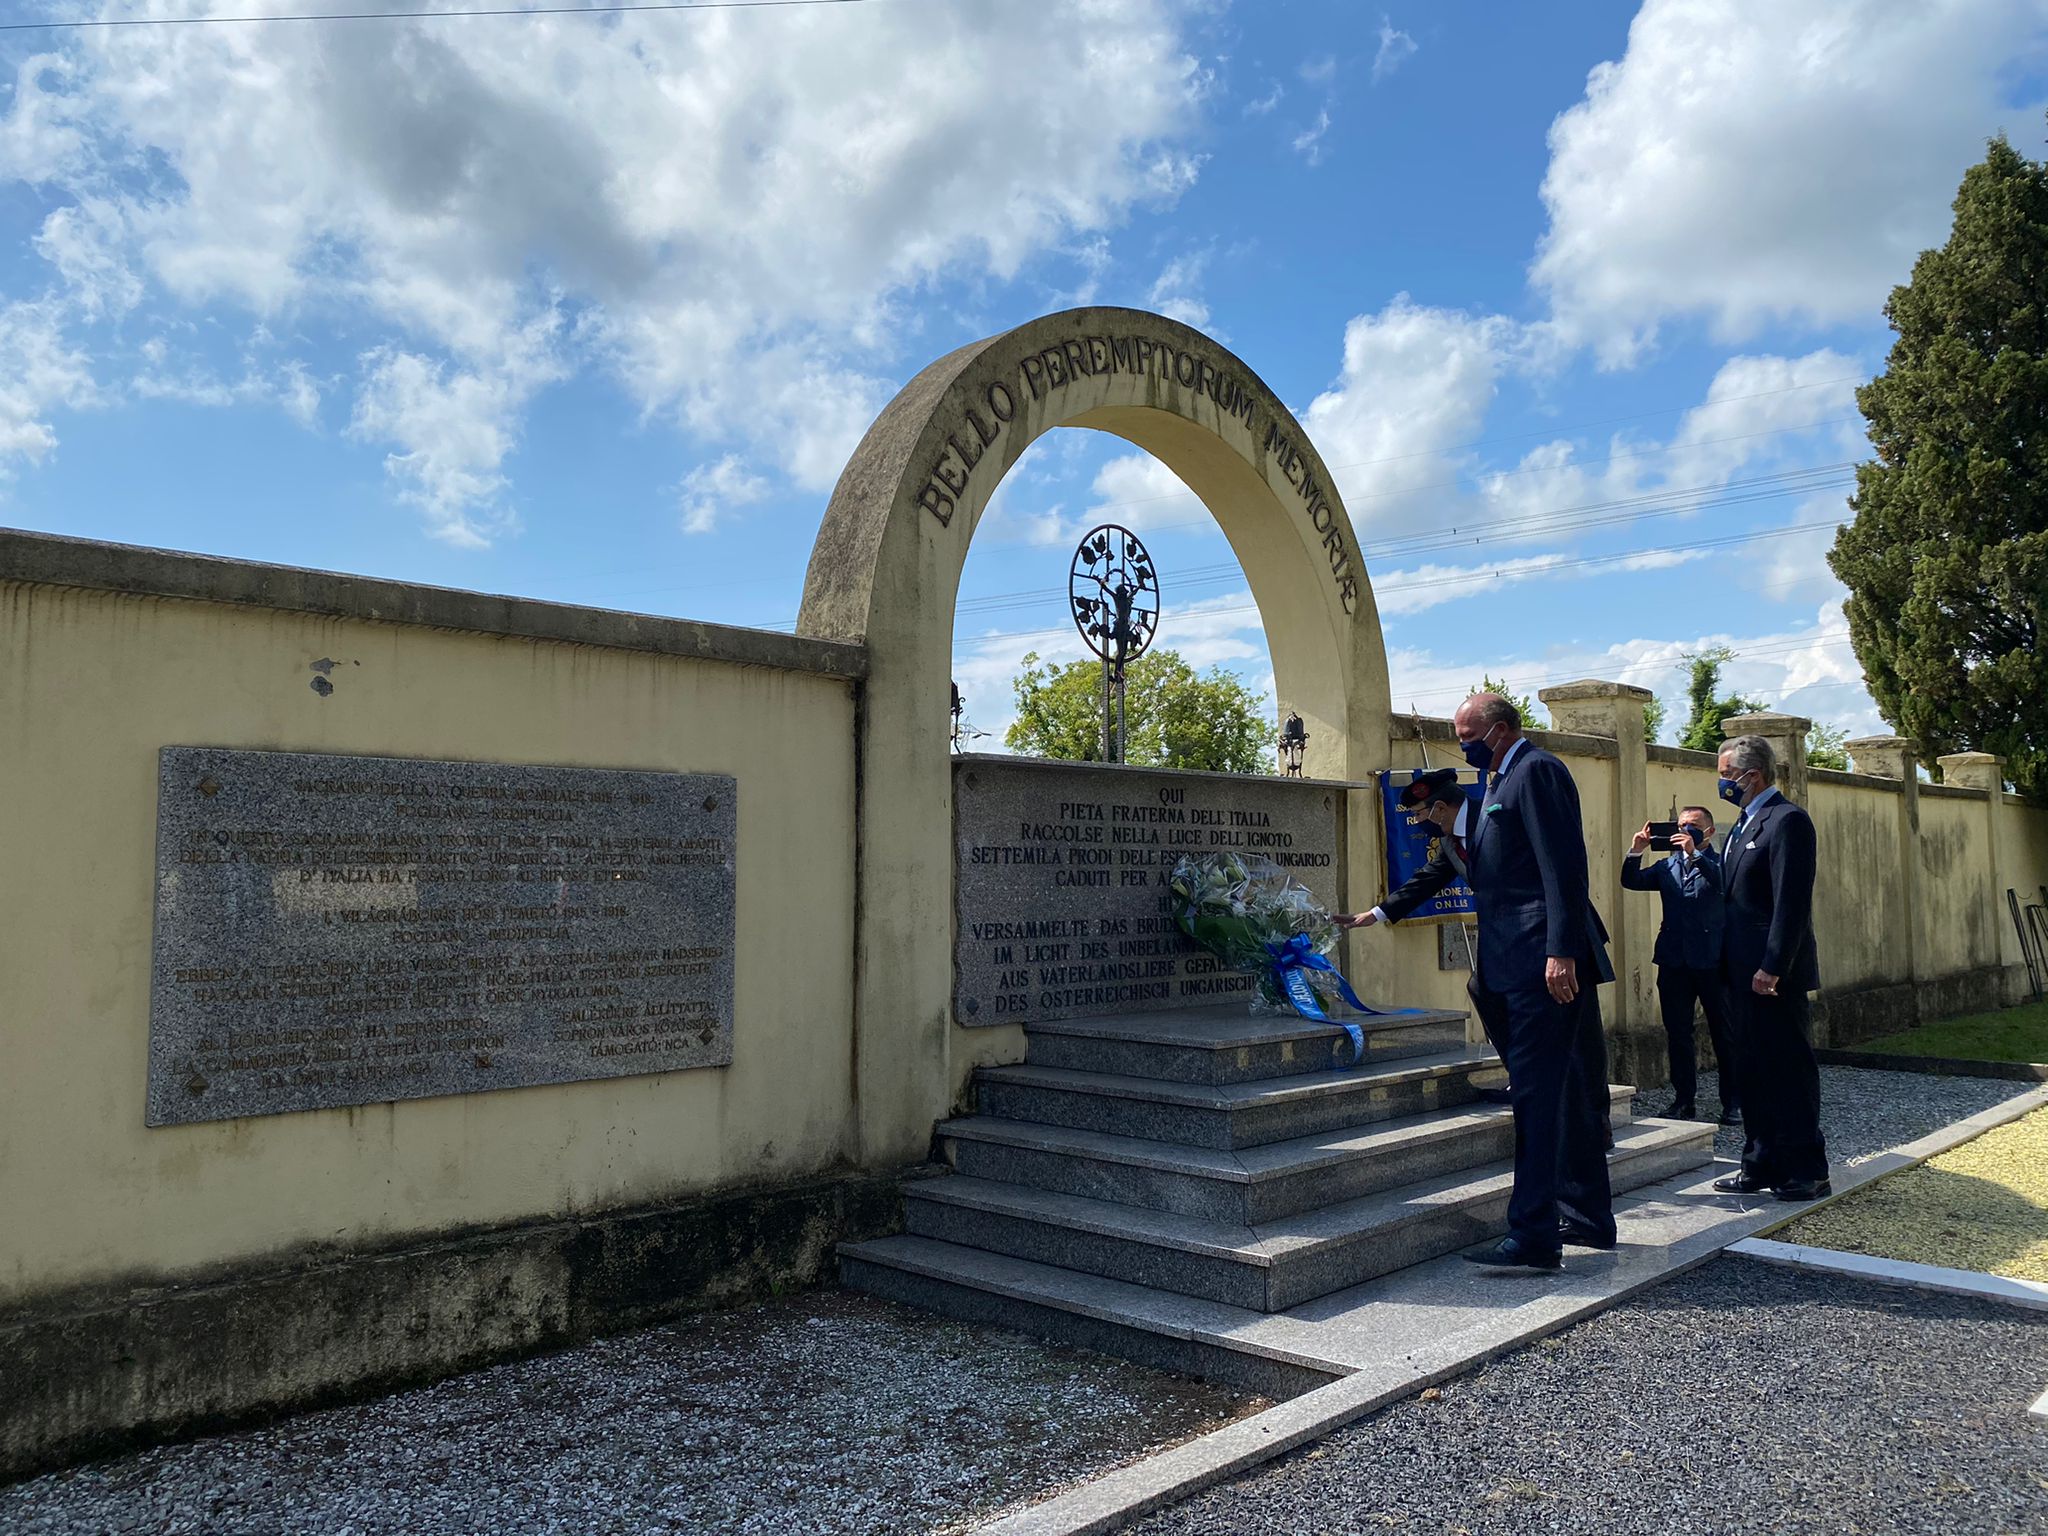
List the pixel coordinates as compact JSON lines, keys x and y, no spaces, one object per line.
{"x":350,"y":930}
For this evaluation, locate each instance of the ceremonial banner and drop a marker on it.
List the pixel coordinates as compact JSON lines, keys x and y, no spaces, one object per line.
{"x":1411,"y":843}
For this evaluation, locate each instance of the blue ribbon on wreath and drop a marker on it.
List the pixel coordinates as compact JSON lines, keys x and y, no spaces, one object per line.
{"x":1292,"y":961}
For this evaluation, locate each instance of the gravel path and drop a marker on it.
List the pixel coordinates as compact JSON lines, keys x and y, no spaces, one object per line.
{"x":1738,"y":1398}
{"x":1862,"y":1113}
{"x":815,"y":1414}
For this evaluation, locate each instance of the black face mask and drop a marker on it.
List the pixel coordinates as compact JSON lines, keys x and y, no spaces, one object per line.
{"x":1700,"y":835}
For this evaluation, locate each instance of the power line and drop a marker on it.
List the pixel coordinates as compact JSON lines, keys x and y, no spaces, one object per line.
{"x":521,"y":10}
{"x":1556,"y":520}
{"x":1466,"y":579}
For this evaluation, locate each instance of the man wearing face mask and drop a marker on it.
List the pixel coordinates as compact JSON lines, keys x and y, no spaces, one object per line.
{"x":1448,"y":809}
{"x":1769,"y":964}
{"x":1542,"y":951}
{"x":1688,"y":955}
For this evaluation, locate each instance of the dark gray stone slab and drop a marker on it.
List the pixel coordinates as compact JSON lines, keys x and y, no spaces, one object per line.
{"x":351,"y":930}
{"x":1061,"y":889}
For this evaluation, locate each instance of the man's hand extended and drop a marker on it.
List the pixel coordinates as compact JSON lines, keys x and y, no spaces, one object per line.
{"x":1353,"y":919}
{"x":1640,"y":841}
{"x":1562,"y":977}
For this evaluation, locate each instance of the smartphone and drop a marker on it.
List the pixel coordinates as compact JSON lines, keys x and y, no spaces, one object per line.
{"x":1661,"y":834}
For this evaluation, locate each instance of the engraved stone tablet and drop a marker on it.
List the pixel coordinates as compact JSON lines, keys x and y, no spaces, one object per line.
{"x":1063,"y":903}
{"x":349,"y":930}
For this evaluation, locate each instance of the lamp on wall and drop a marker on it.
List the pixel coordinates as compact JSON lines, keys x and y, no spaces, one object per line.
{"x":1293,"y":742}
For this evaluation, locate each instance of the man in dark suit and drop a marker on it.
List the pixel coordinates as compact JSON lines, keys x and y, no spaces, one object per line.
{"x":1448,"y":809}
{"x":1542,"y":951}
{"x":1769,"y":963}
{"x":1688,"y":955}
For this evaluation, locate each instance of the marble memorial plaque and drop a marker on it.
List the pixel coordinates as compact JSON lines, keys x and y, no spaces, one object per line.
{"x":1063,"y":908}
{"x":351,"y":930}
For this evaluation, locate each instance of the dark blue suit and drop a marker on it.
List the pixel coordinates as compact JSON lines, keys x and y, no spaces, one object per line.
{"x":1529,"y":883}
{"x":1767,"y":873}
{"x":1688,"y":957}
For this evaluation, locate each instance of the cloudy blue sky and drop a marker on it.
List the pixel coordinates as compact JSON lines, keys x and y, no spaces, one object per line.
{"x":1572,"y":298}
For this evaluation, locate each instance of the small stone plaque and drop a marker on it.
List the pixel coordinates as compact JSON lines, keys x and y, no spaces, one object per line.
{"x":1063,"y":907}
{"x":351,"y":930}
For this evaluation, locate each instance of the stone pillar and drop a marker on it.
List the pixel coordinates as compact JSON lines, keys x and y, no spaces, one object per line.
{"x":1615,"y":711}
{"x":1898,"y":757}
{"x":1787,"y":736}
{"x":1986,"y":771}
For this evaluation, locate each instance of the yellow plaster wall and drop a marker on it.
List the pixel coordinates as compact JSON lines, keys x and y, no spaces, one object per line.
{"x":1956,"y":886}
{"x":93,"y":683}
{"x":1860,"y":911}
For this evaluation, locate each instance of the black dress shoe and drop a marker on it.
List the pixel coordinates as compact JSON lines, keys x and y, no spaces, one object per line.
{"x":1740,"y":1184}
{"x":1513,"y":1253}
{"x":1681,"y":1109}
{"x":1803,"y":1189}
{"x":1493,"y":1096}
{"x":1584,"y":1237}
{"x":1731,"y":1114}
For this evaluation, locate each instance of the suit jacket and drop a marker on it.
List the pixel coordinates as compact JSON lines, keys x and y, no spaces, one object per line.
{"x":1767,"y":872}
{"x":1691,"y":934}
{"x":1438,"y":873}
{"x":1529,"y":882}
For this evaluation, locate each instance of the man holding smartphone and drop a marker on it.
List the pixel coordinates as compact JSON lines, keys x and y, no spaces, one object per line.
{"x":1688,"y":955}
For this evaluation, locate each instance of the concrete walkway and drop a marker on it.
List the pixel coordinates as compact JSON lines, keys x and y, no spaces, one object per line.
{"x":1437,"y":1320}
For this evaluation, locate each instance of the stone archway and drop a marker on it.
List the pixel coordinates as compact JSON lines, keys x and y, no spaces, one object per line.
{"x":886,"y":570}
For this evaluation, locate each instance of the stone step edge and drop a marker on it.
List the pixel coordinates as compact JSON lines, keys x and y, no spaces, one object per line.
{"x":1279,"y":1159}
{"x":1231,"y":1096}
{"x":1346,"y":1221}
{"x":1065,"y":1290}
{"x":1275,"y":1031}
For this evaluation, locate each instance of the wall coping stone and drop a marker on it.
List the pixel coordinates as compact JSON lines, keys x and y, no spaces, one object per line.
{"x":1591,"y":688}
{"x":1765,"y":722}
{"x":1951,"y":792}
{"x":1681,"y":757}
{"x":46,"y":559}
{"x":1563,"y":743}
{"x":1857,"y":780}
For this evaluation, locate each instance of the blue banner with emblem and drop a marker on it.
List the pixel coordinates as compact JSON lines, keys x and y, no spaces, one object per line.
{"x":1411,"y":843}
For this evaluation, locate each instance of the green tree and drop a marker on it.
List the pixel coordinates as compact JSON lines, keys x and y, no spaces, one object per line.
{"x":1946,"y":561}
{"x":1533,"y":714}
{"x":1653,"y":718}
{"x":1175,"y":717}
{"x":1827,"y":746}
{"x":1702,"y":729}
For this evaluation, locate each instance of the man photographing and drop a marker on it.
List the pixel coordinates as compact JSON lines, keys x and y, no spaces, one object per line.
{"x":1688,"y":956}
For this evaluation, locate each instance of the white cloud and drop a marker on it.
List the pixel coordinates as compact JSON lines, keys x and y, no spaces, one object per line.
{"x":1177,"y":292}
{"x":1746,"y":162}
{"x":1259,"y":106}
{"x":710,"y":490}
{"x":40,"y":370}
{"x":1309,"y":142}
{"x":1808,"y":669}
{"x":1416,"y":385}
{"x":723,"y":209}
{"x":453,"y":428}
{"x":1395,"y":49}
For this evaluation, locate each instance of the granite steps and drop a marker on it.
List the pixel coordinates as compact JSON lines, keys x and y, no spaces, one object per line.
{"x":1146,"y":1184}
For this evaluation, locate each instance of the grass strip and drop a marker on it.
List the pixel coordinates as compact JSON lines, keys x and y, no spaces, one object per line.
{"x":2010,"y":1034}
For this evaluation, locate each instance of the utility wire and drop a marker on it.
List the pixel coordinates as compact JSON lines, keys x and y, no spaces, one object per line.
{"x":1466,"y":579}
{"x":520,"y":10}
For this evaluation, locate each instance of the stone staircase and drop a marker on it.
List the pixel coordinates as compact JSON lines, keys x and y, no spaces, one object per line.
{"x":1140,"y":1181}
